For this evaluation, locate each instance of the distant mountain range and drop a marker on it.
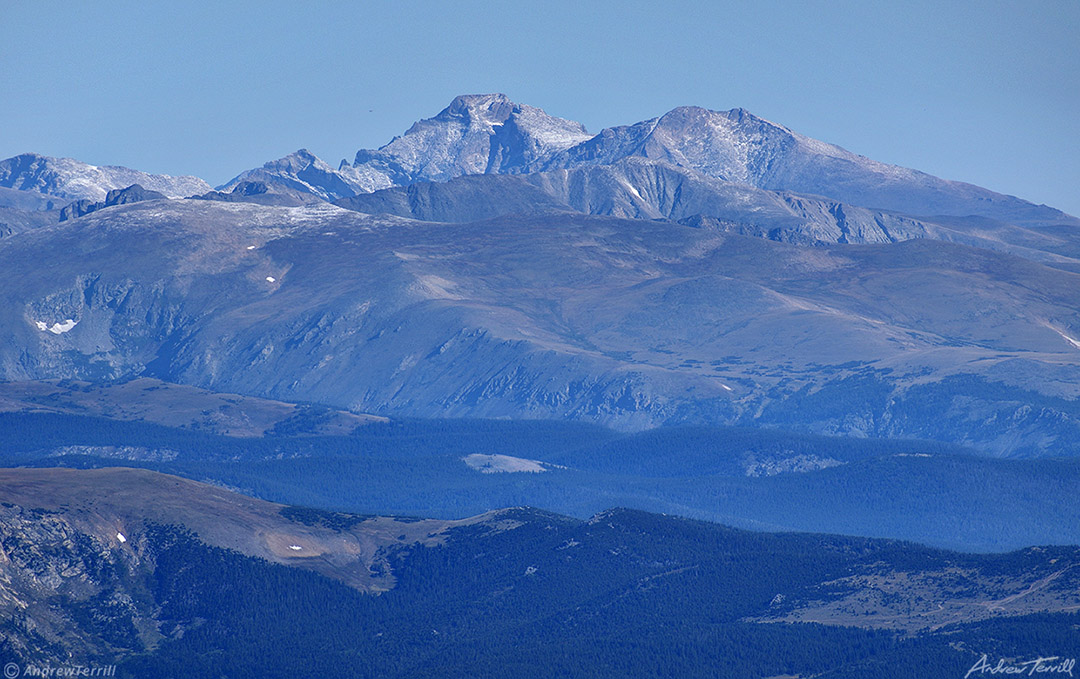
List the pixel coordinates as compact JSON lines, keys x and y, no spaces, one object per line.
{"x":700,"y":267}
{"x":75,"y":180}
{"x":489,"y":134}
{"x":690,"y":165}
{"x":704,"y":314}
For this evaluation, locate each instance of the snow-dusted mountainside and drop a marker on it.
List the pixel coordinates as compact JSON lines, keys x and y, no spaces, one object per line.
{"x":489,"y":134}
{"x":636,"y":188}
{"x":729,"y":166}
{"x":475,"y":134}
{"x":733,"y":152}
{"x":75,"y":180}
{"x":639,"y":188}
{"x":300,"y":172}
{"x":738,"y":146}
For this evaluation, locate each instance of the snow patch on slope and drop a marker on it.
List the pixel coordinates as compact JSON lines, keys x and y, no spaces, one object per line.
{"x":58,"y":328}
{"x":496,"y":464}
{"x":754,"y":467}
{"x":434,"y":287}
{"x":1071,"y":340}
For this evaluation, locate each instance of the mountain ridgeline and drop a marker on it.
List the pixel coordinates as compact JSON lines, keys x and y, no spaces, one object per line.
{"x":157,"y":573}
{"x":699,"y":268}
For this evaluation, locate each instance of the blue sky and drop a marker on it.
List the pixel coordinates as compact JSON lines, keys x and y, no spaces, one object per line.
{"x":986,"y":92}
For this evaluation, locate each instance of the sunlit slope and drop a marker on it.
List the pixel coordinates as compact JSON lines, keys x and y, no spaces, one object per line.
{"x":627,"y":323}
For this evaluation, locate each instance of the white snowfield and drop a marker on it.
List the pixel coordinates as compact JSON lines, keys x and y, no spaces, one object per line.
{"x":56,"y":328}
{"x":497,"y":464}
{"x":1071,"y":340}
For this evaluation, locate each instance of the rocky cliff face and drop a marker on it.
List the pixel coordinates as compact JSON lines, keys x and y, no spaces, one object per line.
{"x":131,"y":194}
{"x":475,"y":134}
{"x":68,"y":593}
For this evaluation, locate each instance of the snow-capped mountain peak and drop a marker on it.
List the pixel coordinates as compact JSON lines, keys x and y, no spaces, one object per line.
{"x":475,"y":134}
{"x":301,"y":171}
{"x":738,"y":146}
{"x":478,"y":134}
{"x":489,"y":109}
{"x":298,"y":161}
{"x":70,"y":178}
